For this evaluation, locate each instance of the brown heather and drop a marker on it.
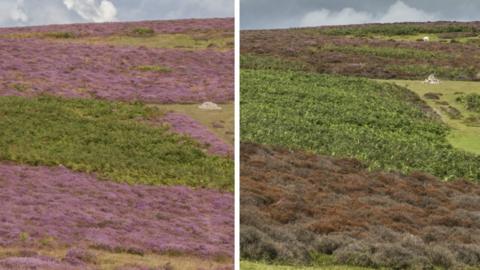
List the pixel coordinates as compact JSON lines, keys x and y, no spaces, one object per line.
{"x":295,"y":204}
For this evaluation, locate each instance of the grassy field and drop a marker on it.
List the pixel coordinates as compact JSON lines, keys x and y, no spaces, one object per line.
{"x":261,"y":266}
{"x":220,"y":122}
{"x":216,"y":40}
{"x":118,"y":141}
{"x":105,"y":260}
{"x":384,"y":125}
{"x":463,"y":135}
{"x":211,"y":39}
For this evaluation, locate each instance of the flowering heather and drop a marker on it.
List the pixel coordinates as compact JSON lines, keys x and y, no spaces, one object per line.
{"x":105,"y":29}
{"x":34,"y":66}
{"x":77,"y":209}
{"x":35,"y":263}
{"x":182,"y":123}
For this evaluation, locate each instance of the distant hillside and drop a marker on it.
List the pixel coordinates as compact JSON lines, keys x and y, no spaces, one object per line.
{"x":384,"y":51}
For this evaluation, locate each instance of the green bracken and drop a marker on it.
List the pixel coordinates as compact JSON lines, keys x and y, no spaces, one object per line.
{"x":115,"y":140}
{"x":384,"y":125}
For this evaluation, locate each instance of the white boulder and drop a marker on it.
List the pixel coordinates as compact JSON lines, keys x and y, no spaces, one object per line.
{"x":209,"y":106}
{"x":432,"y":80}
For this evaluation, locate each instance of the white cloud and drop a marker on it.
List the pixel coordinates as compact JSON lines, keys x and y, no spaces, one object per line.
{"x":90,"y":10}
{"x":36,"y":12}
{"x":398,"y":12}
{"x":17,"y":13}
{"x":12,"y":11}
{"x":401,"y":12}
{"x":327,"y":17}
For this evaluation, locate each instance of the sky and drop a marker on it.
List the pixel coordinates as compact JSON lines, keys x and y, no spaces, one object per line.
{"x":266,"y":14}
{"x":41,"y":12}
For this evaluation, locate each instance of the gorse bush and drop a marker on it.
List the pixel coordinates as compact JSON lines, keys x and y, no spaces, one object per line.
{"x":111,"y":139}
{"x":384,"y":125}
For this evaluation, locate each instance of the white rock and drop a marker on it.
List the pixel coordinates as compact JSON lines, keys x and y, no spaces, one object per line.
{"x":209,"y":106}
{"x":432,"y":80}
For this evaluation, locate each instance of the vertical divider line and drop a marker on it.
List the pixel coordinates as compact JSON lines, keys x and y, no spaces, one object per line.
{"x":237,"y":135}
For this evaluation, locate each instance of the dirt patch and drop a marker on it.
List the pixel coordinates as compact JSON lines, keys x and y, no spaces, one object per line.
{"x":295,"y":203}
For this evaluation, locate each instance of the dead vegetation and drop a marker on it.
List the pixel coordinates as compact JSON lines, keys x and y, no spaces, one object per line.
{"x":295,"y":205}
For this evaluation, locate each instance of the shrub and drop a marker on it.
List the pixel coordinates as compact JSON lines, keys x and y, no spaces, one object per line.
{"x":61,"y":35}
{"x":440,"y":256}
{"x":143,"y":32}
{"x":355,"y":253}
{"x":393,"y":256}
{"x":467,"y":254}
{"x":470,"y":101}
{"x":78,"y":256}
{"x":431,"y":95}
{"x":255,"y":245}
{"x":328,"y":244}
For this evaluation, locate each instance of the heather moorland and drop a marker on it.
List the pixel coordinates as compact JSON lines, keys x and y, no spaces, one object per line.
{"x":107,"y":159}
{"x":360,"y":147}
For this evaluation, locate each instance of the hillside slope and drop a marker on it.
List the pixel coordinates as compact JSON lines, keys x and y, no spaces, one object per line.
{"x":296,"y":205}
{"x":384,"y":51}
{"x":103,"y":162}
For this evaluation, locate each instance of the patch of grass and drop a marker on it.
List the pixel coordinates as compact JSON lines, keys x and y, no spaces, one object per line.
{"x":143,"y":32}
{"x":464,"y":134}
{"x":105,"y":260}
{"x":384,"y":125}
{"x":24,"y":237}
{"x":20,"y":87}
{"x":111,"y":139}
{"x":60,"y":35}
{"x":153,"y":68}
{"x":214,"y":40}
{"x":220,"y":122}
{"x":250,"y":61}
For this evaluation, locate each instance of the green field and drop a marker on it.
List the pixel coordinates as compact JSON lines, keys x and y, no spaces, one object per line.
{"x":386,"y":126}
{"x":118,"y":141}
{"x":463,"y":134}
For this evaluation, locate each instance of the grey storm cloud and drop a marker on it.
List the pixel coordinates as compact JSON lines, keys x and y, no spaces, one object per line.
{"x":40,"y":12}
{"x":264,"y":14}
